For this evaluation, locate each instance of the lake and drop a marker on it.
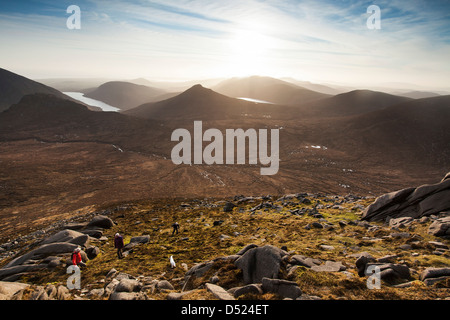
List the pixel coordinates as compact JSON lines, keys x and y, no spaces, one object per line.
{"x":92,"y":102}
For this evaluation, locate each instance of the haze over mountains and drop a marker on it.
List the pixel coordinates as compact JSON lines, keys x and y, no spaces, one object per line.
{"x":58,"y":156}
{"x":125,"y":95}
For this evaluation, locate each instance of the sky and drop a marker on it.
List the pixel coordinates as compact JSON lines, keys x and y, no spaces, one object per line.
{"x":312,"y":40}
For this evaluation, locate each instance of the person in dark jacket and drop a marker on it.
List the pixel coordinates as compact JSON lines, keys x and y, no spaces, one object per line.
{"x":175,"y":227}
{"x":118,"y":244}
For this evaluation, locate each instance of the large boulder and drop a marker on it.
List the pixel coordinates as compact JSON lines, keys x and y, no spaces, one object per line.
{"x":43,"y":251}
{"x":101,"y":222}
{"x":67,"y":235}
{"x":9,"y":289}
{"x":411,"y":202}
{"x":261,"y":262}
{"x":128,"y":285}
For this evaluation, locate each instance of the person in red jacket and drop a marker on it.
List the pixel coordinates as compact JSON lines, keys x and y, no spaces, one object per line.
{"x":118,"y":244}
{"x":76,"y":258}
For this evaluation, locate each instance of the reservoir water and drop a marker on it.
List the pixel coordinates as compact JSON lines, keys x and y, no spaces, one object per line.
{"x":92,"y":102}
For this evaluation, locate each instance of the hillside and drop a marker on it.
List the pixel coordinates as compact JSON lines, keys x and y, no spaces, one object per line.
{"x":352,"y":103}
{"x":13,"y":87}
{"x":199,"y":103}
{"x":125,"y":95}
{"x":312,"y":246}
{"x":268,"y":89}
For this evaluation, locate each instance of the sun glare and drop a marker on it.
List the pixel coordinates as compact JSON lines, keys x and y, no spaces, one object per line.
{"x":248,"y":53}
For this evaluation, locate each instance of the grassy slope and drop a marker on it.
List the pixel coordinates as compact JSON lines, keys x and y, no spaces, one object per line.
{"x":265,"y":226}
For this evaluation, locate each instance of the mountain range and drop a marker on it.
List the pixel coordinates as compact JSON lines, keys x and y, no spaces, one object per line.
{"x":57,"y":155}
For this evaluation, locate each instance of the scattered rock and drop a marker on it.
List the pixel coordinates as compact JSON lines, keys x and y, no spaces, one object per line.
{"x":304,"y":261}
{"x":248,"y":289}
{"x":228,"y":207}
{"x":128,"y":285}
{"x":284,"y":288}
{"x":9,"y":289}
{"x":434,"y":273}
{"x":218,"y":292}
{"x":440,"y":227}
{"x":329,"y":266}
{"x":164,"y":285}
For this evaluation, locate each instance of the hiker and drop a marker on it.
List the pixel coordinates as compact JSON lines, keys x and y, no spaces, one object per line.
{"x":118,"y":243}
{"x":76,"y":258}
{"x":175,"y":227}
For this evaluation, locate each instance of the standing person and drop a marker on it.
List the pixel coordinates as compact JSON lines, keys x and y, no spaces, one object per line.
{"x":118,"y":244}
{"x":175,"y":227}
{"x":76,"y":258}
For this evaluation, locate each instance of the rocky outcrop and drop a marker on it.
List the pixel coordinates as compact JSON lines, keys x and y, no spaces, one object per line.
{"x":260,"y":262}
{"x":411,"y":202}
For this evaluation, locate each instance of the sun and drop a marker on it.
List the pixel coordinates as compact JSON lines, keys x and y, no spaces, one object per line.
{"x":248,"y":53}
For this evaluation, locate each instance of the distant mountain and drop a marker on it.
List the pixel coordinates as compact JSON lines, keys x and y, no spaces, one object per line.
{"x":49,"y":118}
{"x":418,"y":94}
{"x":268,"y":89}
{"x":73,"y":84}
{"x":315,"y":86}
{"x":13,"y":87}
{"x":415,"y":131}
{"x":353,"y":103}
{"x":125,"y":95}
{"x":199,"y":103}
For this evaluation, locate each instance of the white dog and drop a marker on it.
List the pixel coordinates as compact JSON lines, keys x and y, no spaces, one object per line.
{"x":172,"y":262}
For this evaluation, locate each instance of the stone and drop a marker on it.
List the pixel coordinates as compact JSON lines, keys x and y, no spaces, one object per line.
{"x":93,"y":232}
{"x":228,"y":207}
{"x":67,"y":235}
{"x":62,"y":293}
{"x":178,"y":295}
{"x":432,"y":281}
{"x":43,"y":251}
{"x":440,"y":227}
{"x":260,"y":262}
{"x":304,"y":261}
{"x":326,"y":247}
{"x":9,"y":271}
{"x":218,"y":292}
{"x":246,"y":248}
{"x":413,"y":202}
{"x":329,"y":266}
{"x":128,"y":285}
{"x":400,"y":222}
{"x":101,"y":221}
{"x":284,"y":288}
{"x":140,"y":239}
{"x":128,"y":296}
{"x":9,"y":289}
{"x":434,"y":273}
{"x":391,"y":272}
{"x":248,"y":289}
{"x":164,"y":285}
{"x":199,"y":269}
{"x":92,"y":252}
